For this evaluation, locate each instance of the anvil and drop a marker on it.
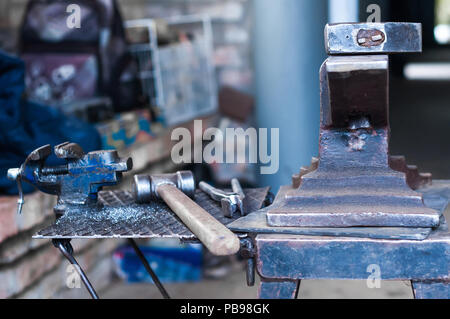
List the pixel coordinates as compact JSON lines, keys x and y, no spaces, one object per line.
{"x":353,"y":183}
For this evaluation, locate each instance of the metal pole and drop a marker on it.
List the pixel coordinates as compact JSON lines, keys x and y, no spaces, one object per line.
{"x":288,"y":50}
{"x":149,"y":269}
{"x":66,"y":249}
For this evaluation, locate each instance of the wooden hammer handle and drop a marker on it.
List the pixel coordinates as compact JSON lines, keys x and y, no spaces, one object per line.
{"x":213,"y":234}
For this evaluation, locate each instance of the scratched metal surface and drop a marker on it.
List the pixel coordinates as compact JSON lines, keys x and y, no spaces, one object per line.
{"x":435,"y":196}
{"x":321,"y":257}
{"x":293,"y":257}
{"x":121,"y":217}
{"x":400,"y":37}
{"x":431,"y":290}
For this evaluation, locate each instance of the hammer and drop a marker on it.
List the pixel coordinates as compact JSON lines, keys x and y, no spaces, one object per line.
{"x":176,"y":190}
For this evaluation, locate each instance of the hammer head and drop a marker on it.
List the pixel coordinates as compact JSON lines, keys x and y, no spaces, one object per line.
{"x":146,"y":186}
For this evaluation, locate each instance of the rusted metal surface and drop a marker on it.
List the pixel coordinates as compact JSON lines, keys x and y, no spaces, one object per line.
{"x":121,"y":217}
{"x":435,"y":197}
{"x":69,"y":150}
{"x":284,"y":259}
{"x":414,"y":178}
{"x":297,"y":178}
{"x":257,"y":223}
{"x":355,"y":184}
{"x":369,"y":38}
{"x":352,"y":184}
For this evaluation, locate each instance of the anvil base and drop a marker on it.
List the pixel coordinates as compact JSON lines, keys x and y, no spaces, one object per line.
{"x":283,"y":260}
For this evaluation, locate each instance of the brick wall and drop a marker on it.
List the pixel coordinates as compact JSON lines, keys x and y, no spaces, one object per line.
{"x":34,"y":268}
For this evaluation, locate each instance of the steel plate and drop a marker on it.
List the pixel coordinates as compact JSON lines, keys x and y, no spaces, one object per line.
{"x":435,"y":196}
{"x":121,"y":217}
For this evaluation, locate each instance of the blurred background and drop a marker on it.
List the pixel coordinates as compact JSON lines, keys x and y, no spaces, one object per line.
{"x":137,"y":69}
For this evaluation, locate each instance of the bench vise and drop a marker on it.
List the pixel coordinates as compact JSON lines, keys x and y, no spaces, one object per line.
{"x":76,"y":182}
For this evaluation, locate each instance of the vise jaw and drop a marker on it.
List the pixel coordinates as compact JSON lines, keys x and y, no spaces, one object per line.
{"x":352,"y":183}
{"x":77,"y":181}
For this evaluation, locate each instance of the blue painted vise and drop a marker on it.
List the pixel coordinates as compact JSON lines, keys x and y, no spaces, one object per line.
{"x":77,"y":181}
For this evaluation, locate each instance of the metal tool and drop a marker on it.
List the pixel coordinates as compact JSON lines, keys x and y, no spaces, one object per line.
{"x":171,"y":189}
{"x":414,"y":178}
{"x":230,"y":201}
{"x":351,"y":183}
{"x":256,"y":222}
{"x":83,"y":212}
{"x":122,"y":217}
{"x":77,"y":184}
{"x":372,"y":38}
{"x":66,"y":250}
{"x":78,"y":181}
{"x":354,"y":181}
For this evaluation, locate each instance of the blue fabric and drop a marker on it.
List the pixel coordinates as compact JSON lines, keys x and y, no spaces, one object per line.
{"x":25,"y":126}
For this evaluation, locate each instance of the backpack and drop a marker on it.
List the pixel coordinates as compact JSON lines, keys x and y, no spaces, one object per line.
{"x":76,"y":52}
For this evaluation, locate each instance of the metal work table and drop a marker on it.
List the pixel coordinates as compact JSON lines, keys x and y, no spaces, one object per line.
{"x":283,"y":260}
{"x":121,"y":217}
{"x":354,"y":210}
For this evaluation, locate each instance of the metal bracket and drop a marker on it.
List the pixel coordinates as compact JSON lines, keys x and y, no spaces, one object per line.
{"x":248,"y":252}
{"x":66,"y":249}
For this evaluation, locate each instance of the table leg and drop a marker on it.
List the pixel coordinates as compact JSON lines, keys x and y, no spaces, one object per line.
{"x":271,"y":289}
{"x":66,"y":249}
{"x":431,"y":289}
{"x":149,"y":269}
